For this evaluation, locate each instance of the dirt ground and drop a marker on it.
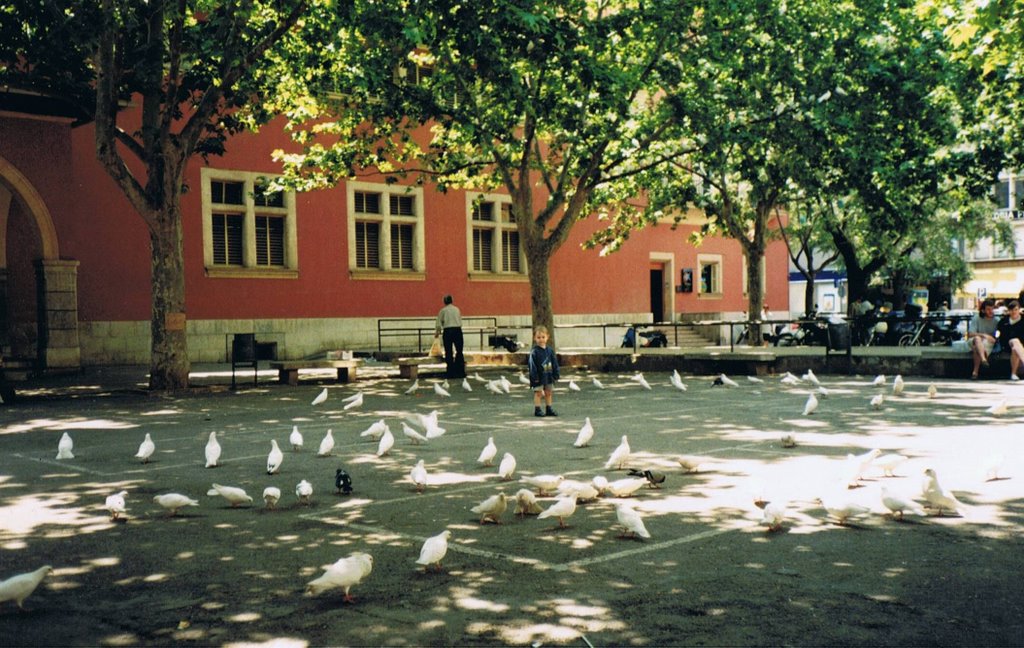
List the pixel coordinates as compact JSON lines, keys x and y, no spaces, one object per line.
{"x":710,"y":575}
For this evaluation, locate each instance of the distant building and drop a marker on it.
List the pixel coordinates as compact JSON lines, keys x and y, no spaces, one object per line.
{"x":998,"y":272}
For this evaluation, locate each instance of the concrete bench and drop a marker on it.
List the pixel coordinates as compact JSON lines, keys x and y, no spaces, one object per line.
{"x":410,"y":367}
{"x":288,"y":370}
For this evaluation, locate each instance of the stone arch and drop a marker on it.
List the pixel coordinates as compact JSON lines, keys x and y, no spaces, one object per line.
{"x":23,"y":189}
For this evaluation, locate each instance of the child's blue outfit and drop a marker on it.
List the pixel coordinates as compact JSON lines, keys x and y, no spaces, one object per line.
{"x":543,"y":366}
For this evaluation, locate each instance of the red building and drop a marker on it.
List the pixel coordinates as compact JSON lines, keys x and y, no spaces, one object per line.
{"x":308,"y":271}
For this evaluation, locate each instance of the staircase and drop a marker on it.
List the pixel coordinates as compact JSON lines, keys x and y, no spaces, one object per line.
{"x":687,"y":337}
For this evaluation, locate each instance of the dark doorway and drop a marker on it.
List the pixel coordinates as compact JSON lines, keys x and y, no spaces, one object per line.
{"x":657,"y":294}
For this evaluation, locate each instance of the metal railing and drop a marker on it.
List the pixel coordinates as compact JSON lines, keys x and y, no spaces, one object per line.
{"x":423,"y":328}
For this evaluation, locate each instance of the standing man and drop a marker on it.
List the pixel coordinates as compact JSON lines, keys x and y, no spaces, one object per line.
{"x":449,"y":327}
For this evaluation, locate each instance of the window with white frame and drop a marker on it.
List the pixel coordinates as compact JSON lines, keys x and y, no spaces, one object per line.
{"x":709,"y":268}
{"x":385,"y":228}
{"x":246,"y":228}
{"x":1009,"y":195}
{"x":494,"y":238}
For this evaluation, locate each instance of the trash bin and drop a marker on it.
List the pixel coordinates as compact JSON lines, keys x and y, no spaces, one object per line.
{"x":243,"y":354}
{"x":839,"y":335}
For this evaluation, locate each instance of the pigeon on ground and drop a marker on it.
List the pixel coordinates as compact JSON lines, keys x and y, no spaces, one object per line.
{"x":275,"y":458}
{"x":789,"y":379}
{"x":993,"y":466}
{"x":441,"y":391}
{"x":344,"y":574}
{"x":811,"y":405}
{"x":583,"y":491}
{"x":64,"y":447}
{"x":937,"y":498}
{"x":631,"y":521}
{"x":413,"y":387}
{"x":354,"y":401}
{"x":115,"y":504}
{"x":543,"y":483}
{"x":433,"y":550}
{"x":597,"y":383}
{"x":506,"y":384}
{"x":412,"y":434}
{"x":811,"y":378}
{"x":375,"y":431}
{"x":788,"y":441}
{"x":877,"y":401}
{"x":431,"y":427}
{"x":418,"y":476}
{"x":174,"y":502}
{"x":146,"y":449}
{"x":491,"y":508}
{"x":689,"y":464}
{"x":488,"y":454}
{"x":507,"y":466}
{"x":600,"y":482}
{"x":526,"y":502}
{"x":342,"y":482}
{"x":295,"y":438}
{"x":897,"y":385}
{"x":573,"y":386}
{"x":898,"y":504}
{"x":585,"y":434}
{"x":755,"y":380}
{"x":304,"y":492}
{"x":271,"y":495}
{"x":676,"y":380}
{"x":639,"y":379}
{"x":823,"y":391}
{"x":889,"y":462}
{"x":654,"y":479}
{"x":561,"y":509}
{"x":625,"y":487}
{"x":477,"y":377}
{"x":234,"y":495}
{"x":843,"y":509}
{"x":998,"y":409}
{"x":387,"y":441}
{"x":466,"y":386}
{"x":212,"y":451}
{"x":494,"y":387}
{"x":727,"y":381}
{"x":619,"y":456}
{"x":879,"y":381}
{"x":859,"y":464}
{"x":20,"y":587}
{"x":773,"y":515}
{"x":326,"y":445}
{"x":523,"y":379}
{"x":933,"y":391}
{"x":320,"y":398}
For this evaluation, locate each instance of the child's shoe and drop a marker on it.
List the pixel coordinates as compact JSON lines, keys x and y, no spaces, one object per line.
{"x":537,"y":412}
{"x":548,"y":412}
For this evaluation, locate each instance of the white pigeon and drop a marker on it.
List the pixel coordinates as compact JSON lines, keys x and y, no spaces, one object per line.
{"x":677,"y":380}
{"x":937,"y":498}
{"x":275,"y":458}
{"x":597,"y":383}
{"x":234,"y":495}
{"x":19,"y":587}
{"x":412,"y":434}
{"x":877,"y":401}
{"x":413,"y":387}
{"x":843,"y":509}
{"x":897,"y":385}
{"x":639,"y":379}
{"x":506,"y":384}
{"x":573,"y":386}
{"x":600,"y":482}
{"x":431,"y":427}
{"x":543,"y":483}
{"x":146,"y":449}
{"x":494,"y":387}
{"x":889,"y":462}
{"x":727,"y":381}
{"x":998,"y":409}
{"x":507,"y":466}
{"x":477,"y":377}
{"x":689,"y":463}
{"x":631,"y":521}
{"x":418,"y":476}
{"x":304,"y":492}
{"x":375,"y":431}
{"x":345,"y":573}
{"x":993,"y":466}
{"x":619,"y":456}
{"x":810,"y":377}
{"x":899,"y":504}
{"x":879,"y":381}
{"x":174,"y":502}
{"x":387,"y":441}
{"x":115,"y":504}
{"x":561,"y":509}
{"x":773,"y":515}
{"x":212,"y":451}
{"x":320,"y":398}
{"x":811,"y":405}
{"x":434,"y":549}
{"x":488,"y":454}
{"x":271,"y":495}
{"x":466,"y":386}
{"x":523,"y":379}
{"x":295,"y":438}
{"x":790,"y":379}
{"x":64,"y":447}
{"x":326,"y":445}
{"x":354,"y":401}
{"x":933,"y":391}
{"x":823,"y":391}
{"x":491,"y":508}
{"x":754,"y":379}
{"x":585,"y":434}
{"x":441,"y":391}
{"x":526,"y":502}
{"x":625,"y":487}
{"x":584,"y":491}
{"x":857,"y":465}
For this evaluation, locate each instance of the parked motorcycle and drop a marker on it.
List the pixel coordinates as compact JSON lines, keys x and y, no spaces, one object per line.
{"x":808,"y":332}
{"x":652,"y":339}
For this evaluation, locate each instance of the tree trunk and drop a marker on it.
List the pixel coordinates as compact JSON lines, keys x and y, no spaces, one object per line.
{"x":169,"y":364}
{"x":809,"y":291}
{"x":755,"y":304}
{"x":540,"y":292}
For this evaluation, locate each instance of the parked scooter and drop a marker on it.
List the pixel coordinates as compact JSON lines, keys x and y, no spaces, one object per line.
{"x":652,"y":339}
{"x":810,"y":331}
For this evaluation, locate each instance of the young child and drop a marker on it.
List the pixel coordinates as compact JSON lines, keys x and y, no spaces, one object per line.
{"x":543,"y":371}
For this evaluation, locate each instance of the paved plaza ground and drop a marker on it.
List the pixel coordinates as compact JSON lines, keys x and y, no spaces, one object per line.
{"x":710,"y":575}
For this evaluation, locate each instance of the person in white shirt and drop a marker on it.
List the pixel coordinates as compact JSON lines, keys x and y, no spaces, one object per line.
{"x":981,"y":335}
{"x":449,"y":328}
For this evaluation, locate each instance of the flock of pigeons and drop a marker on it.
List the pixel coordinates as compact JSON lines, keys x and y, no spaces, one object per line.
{"x":425,"y":428}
